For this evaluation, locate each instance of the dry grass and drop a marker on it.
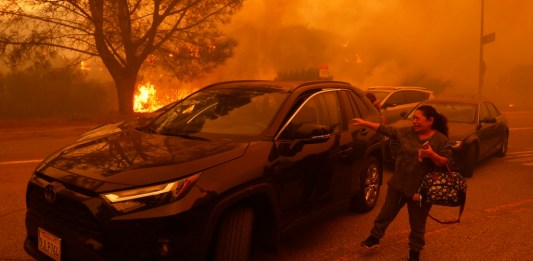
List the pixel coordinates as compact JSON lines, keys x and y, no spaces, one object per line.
{"x":61,"y":122}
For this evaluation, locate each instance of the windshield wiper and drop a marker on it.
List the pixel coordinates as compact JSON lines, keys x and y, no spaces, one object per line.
{"x":146,"y":129}
{"x":185,"y":136}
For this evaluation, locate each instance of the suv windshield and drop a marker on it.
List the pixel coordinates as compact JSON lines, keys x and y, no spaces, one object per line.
{"x":220,"y":111}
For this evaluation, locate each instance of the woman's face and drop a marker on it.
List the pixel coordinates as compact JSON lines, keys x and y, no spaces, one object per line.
{"x":421,"y":123}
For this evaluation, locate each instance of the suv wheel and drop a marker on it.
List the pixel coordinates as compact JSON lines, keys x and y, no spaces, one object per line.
{"x":367,"y":196}
{"x":235,"y":235}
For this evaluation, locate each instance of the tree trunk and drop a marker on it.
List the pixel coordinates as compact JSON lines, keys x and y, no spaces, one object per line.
{"x":125,"y":86}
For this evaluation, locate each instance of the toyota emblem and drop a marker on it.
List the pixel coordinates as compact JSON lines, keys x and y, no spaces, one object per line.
{"x":50,"y":193}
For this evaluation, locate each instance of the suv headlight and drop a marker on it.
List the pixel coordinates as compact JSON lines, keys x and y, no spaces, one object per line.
{"x":456,"y":144}
{"x":135,"y":199}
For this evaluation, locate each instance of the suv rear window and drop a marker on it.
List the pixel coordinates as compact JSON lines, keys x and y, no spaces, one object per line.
{"x":359,"y":104}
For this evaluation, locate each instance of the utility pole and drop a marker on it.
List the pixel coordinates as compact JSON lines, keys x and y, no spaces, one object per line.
{"x":481,"y":61}
{"x":483,"y":39}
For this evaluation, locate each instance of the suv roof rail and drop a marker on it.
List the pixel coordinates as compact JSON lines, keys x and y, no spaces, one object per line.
{"x":234,"y":81}
{"x":398,"y":87}
{"x":305,"y":83}
{"x":323,"y":81}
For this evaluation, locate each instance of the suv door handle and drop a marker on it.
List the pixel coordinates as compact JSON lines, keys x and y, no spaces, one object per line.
{"x":344,"y":153}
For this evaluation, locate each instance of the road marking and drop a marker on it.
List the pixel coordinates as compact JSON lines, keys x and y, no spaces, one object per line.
{"x":19,"y":162}
{"x":517,"y":112}
{"x":520,"y":152}
{"x":524,"y":128}
{"x":522,"y":159}
{"x":509,"y":206}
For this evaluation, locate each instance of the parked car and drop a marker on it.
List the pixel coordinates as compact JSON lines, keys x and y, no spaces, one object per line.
{"x":395,"y":100}
{"x":231,"y":166}
{"x":477,"y":130}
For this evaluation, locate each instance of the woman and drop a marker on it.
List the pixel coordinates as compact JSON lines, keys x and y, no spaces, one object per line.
{"x":415,"y":158}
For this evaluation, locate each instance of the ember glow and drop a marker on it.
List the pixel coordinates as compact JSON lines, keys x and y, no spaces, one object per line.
{"x":147,"y":99}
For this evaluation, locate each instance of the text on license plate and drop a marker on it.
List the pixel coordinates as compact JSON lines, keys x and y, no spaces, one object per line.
{"x":49,"y":244}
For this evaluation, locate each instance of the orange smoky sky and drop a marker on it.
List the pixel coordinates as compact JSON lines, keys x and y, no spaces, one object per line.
{"x":380,"y":41}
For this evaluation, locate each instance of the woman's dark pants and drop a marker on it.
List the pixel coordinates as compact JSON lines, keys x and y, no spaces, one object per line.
{"x":394,"y":202}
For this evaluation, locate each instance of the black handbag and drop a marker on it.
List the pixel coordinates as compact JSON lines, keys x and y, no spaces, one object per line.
{"x":443,"y":188}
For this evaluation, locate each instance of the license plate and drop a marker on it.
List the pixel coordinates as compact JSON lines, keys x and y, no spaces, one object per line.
{"x":49,"y":244}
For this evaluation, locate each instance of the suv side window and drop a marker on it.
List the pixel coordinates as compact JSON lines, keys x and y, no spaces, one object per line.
{"x":329,"y":109}
{"x":322,"y":109}
{"x":349,"y":109}
{"x":361,"y":108}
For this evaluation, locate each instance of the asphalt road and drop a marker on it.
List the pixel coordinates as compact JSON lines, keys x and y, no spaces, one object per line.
{"x":497,"y":223}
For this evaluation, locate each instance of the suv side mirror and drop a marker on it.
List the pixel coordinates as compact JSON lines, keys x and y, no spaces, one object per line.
{"x":312,"y":133}
{"x":306,"y":133}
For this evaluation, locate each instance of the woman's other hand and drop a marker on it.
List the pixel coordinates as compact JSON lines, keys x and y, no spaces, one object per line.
{"x":426,"y":152}
{"x":416,"y":197}
{"x":358,"y":122}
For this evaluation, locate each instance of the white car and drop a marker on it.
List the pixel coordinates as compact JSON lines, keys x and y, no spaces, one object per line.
{"x":395,"y":100}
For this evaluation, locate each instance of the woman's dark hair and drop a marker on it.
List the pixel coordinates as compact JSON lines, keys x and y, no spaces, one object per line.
{"x":440,"y":122}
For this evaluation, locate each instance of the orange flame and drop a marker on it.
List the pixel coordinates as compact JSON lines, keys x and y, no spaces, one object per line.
{"x":146,"y":98}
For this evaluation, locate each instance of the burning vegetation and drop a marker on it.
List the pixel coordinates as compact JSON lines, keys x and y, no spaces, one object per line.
{"x":147,"y":99}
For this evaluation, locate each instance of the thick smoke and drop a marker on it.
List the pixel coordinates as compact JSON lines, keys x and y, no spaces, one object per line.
{"x":365,"y":42}
{"x":384,"y":42}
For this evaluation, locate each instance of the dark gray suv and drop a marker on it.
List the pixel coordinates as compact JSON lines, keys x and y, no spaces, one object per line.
{"x":231,"y":166}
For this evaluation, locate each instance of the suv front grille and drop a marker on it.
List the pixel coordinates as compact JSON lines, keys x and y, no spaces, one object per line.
{"x":64,"y":211}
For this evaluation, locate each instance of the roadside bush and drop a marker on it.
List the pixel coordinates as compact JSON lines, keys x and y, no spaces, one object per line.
{"x":45,"y":93}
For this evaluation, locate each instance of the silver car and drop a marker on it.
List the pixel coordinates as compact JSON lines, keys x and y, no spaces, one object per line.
{"x":397,"y":100}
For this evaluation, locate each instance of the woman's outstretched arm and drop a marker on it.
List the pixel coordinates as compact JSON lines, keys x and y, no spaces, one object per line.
{"x":361,"y":122}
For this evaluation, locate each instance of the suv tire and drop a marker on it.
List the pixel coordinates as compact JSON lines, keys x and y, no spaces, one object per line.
{"x":234,"y":238}
{"x":367,"y":195}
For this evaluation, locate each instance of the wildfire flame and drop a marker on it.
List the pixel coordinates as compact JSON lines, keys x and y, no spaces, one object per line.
{"x":146,"y":98}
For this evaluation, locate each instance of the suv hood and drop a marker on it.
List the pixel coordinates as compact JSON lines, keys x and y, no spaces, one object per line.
{"x":127,"y":158}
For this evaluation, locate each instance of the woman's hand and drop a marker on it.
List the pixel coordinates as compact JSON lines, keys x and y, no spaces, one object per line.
{"x":361,"y":122}
{"x":427,"y":152}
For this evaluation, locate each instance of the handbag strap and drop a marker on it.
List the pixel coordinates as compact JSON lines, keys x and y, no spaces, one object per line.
{"x":447,"y":167}
{"x":453,"y":221}
{"x":461,"y":207}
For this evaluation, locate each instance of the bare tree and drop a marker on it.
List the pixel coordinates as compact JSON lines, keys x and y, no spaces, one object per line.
{"x":182,"y":36}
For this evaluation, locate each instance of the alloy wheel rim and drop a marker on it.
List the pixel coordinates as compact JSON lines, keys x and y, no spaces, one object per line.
{"x":371,"y":184}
